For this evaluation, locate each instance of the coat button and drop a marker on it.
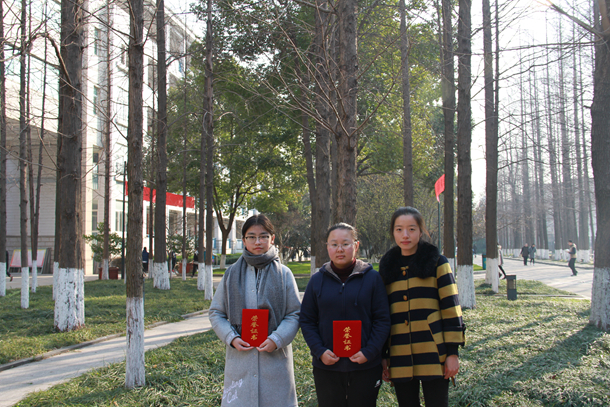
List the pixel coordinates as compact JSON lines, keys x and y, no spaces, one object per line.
{"x":404,"y":272}
{"x":404,"y":297}
{"x":406,"y":322}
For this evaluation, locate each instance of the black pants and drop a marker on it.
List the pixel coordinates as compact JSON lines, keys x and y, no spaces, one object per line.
{"x":525,"y":260}
{"x":436,"y":393}
{"x":532,"y":260}
{"x":358,"y":388}
{"x":195,"y":267}
{"x":502,"y":270}
{"x":571,"y":264}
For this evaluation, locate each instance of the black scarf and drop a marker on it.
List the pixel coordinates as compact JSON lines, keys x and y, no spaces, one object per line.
{"x":422,"y":265}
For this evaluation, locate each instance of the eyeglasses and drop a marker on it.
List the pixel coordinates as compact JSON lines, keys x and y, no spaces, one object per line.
{"x":344,"y":246}
{"x":254,"y":239}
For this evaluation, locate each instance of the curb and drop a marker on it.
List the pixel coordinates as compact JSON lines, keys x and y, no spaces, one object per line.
{"x":76,"y":346}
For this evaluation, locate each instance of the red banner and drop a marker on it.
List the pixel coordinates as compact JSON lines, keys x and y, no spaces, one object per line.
{"x":170,"y":199}
{"x":439,"y":186}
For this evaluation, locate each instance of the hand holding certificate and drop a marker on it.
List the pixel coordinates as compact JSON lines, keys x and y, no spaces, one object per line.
{"x":347,"y":338}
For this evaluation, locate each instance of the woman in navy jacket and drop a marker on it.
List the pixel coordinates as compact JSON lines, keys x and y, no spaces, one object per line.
{"x":345,"y":289}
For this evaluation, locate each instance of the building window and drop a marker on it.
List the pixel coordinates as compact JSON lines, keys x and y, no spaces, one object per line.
{"x":95,"y":171}
{"x":94,"y":217}
{"x":96,"y":41}
{"x":96,"y":93}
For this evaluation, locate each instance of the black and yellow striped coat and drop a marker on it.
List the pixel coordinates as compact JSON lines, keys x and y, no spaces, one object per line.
{"x":426,"y":316}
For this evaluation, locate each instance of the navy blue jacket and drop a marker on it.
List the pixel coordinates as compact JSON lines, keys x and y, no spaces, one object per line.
{"x":362,"y":297}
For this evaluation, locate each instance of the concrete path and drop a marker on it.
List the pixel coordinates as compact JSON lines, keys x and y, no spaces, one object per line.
{"x":18,"y":382}
{"x":553,"y":273}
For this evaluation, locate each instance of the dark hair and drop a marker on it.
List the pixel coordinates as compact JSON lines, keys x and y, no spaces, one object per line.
{"x":406,"y":211}
{"x":343,"y":226}
{"x":258,"y":219}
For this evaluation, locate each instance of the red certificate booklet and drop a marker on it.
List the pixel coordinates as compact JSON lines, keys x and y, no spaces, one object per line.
{"x":347,"y":338}
{"x":254,"y":326}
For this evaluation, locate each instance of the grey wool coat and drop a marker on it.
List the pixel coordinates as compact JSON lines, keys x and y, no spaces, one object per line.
{"x":253,"y":378}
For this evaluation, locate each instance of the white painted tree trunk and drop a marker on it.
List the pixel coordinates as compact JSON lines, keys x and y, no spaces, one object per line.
{"x":465,"y":283}
{"x":161,"y":276}
{"x":223,"y":261}
{"x":34,"y":275}
{"x":70,"y":299}
{"x":516,"y":252}
{"x":134,"y":369}
{"x":600,"y":299}
{"x":451,"y":261}
{"x":492,"y":273}
{"x":184,"y":269}
{"x":557,"y":255}
{"x":105,"y":269}
{"x":25,"y":287}
{"x":312,"y":268}
{"x":582,"y":256}
{"x":209,"y":283}
{"x":3,"y":277}
{"x":55,"y":279}
{"x":201,"y":276}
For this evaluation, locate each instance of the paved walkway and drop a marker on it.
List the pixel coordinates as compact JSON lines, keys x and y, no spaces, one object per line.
{"x":553,"y":273}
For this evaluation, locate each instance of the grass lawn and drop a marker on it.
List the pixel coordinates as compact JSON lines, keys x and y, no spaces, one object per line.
{"x":30,"y":332}
{"x":536,"y":351}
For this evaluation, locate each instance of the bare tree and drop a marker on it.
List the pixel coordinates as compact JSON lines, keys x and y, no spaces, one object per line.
{"x":3,"y":259}
{"x":70,"y":301}
{"x":464,"y":272}
{"x":160,"y":269}
{"x":23,"y":159}
{"x":135,"y":369}
{"x":407,"y":148}
{"x":208,"y":124}
{"x":107,"y":141}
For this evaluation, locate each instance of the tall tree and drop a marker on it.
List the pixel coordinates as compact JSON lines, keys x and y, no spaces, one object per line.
{"x":23,"y":158}
{"x":448,"y":88}
{"x":208,"y":124}
{"x":160,"y":269}
{"x":491,"y":154}
{"x":346,"y":131}
{"x":464,"y":272}
{"x":3,"y":259}
{"x":134,"y":369}
{"x":107,"y":135}
{"x":70,"y":288}
{"x":407,"y":135}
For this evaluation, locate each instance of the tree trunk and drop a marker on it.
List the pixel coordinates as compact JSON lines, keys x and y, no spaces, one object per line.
{"x":23,"y":160}
{"x":600,"y":157}
{"x":70,"y":299}
{"x":135,"y":369}
{"x":587,"y":187}
{"x":543,"y":239}
{"x":527,"y":206}
{"x":491,"y":155}
{"x":201,"y":230}
{"x":464,"y":272}
{"x":407,"y":149}
{"x":346,"y":130}
{"x":184,"y":173}
{"x":208,"y":107}
{"x":161,"y":269}
{"x":448,"y":88}
{"x":107,"y":132}
{"x":321,"y":218}
{"x":3,"y":259}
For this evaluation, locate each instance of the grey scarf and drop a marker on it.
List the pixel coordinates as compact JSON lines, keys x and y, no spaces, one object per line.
{"x":271,"y":291}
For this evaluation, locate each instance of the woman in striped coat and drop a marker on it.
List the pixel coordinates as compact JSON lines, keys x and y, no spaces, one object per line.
{"x":426,"y":316}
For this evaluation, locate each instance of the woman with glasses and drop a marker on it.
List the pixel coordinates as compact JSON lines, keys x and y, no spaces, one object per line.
{"x":426,"y":316}
{"x":345,"y":289}
{"x":262,"y":375}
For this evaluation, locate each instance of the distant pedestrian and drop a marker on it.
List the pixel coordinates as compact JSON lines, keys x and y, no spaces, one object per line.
{"x":173,"y":260}
{"x":501,"y":262}
{"x":474,"y":251}
{"x":7,"y":273}
{"x":532,"y":253}
{"x":572,"y":252}
{"x":145,"y":260}
{"x":195,"y":263}
{"x":525,"y":252}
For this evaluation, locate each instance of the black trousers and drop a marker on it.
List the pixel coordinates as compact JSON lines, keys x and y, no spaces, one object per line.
{"x":502,"y":270}
{"x":571,"y":264}
{"x":358,"y":388}
{"x":436,"y":393}
{"x":525,"y":260}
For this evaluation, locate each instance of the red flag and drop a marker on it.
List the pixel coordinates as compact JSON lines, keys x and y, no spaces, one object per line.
{"x":439,"y":186}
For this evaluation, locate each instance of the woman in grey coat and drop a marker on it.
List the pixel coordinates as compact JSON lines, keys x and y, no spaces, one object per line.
{"x":258,"y":376}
